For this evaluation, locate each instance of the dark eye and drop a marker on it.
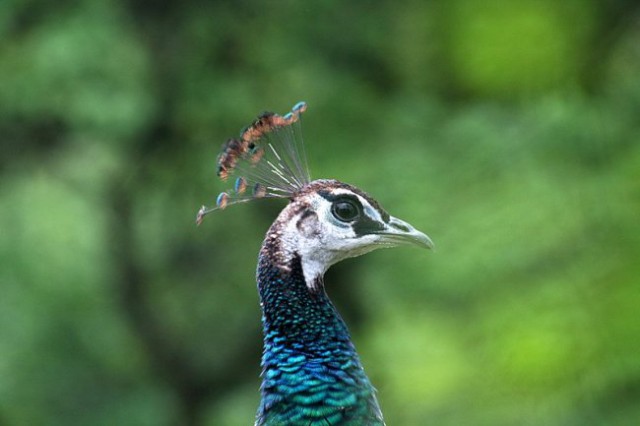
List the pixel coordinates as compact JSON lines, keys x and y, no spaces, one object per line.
{"x":345,"y":210}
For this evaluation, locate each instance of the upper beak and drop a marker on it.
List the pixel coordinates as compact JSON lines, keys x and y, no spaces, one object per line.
{"x":400,"y":232}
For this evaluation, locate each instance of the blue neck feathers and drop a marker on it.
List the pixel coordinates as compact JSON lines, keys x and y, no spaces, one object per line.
{"x":311,"y":373}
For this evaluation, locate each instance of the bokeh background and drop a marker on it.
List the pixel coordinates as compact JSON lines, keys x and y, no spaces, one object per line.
{"x":509,"y":131}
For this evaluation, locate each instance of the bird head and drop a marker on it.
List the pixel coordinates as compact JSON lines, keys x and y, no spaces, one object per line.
{"x":326,"y":220}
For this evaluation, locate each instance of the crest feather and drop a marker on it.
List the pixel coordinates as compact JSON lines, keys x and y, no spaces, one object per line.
{"x":268,"y":160}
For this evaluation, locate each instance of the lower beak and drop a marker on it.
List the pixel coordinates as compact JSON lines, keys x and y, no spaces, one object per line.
{"x":400,"y":232}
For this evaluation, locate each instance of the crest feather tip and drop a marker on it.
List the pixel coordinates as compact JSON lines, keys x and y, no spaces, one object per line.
{"x":200,"y":216}
{"x":222,"y":200}
{"x":300,"y":107}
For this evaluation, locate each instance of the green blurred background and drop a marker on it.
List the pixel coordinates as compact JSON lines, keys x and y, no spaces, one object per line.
{"x":509,"y":131}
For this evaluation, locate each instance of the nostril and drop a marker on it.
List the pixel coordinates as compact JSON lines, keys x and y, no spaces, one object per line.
{"x":401,"y":226}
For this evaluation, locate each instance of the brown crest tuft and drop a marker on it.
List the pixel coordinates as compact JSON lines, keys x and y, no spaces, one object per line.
{"x":268,"y":156}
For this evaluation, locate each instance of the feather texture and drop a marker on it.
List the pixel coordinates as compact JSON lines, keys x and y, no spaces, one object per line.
{"x":311,"y":373}
{"x":268,"y":160}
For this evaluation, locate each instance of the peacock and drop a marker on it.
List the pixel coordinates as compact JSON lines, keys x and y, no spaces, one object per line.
{"x":311,"y":372}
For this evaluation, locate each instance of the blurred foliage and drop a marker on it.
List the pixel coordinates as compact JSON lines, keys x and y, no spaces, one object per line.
{"x":508,"y":131}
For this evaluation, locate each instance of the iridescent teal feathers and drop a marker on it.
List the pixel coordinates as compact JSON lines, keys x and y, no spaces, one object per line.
{"x":311,"y":372}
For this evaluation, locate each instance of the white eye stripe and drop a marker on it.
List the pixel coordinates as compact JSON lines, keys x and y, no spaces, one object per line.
{"x":340,"y":191}
{"x":371,"y":212}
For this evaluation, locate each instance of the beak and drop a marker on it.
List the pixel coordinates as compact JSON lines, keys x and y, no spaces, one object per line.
{"x":398,"y":232}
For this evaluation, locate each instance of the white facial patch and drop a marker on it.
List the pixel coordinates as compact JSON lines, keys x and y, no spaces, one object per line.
{"x":321,"y":239}
{"x":324,"y":247}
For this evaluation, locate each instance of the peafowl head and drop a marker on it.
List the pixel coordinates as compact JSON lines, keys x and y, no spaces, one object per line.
{"x":326,"y":220}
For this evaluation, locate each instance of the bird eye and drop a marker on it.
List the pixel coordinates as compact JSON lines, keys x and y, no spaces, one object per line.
{"x":344,"y":210}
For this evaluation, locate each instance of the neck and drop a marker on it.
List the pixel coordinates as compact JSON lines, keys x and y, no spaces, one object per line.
{"x":311,"y":372}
